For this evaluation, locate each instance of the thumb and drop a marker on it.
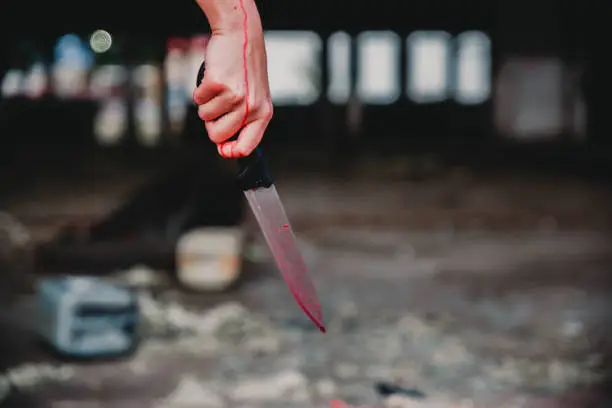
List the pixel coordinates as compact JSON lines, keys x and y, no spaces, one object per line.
{"x":247,"y":141}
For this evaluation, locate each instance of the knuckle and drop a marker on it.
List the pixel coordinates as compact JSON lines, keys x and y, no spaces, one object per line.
{"x":213,"y":134}
{"x":206,"y":115}
{"x":202,"y":112}
{"x":269,"y":112}
{"x":216,"y":138}
{"x":262,"y":110}
{"x":236,"y":98}
{"x":266,"y":111}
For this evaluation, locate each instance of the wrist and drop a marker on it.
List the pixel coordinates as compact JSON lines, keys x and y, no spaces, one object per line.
{"x":227,"y":16}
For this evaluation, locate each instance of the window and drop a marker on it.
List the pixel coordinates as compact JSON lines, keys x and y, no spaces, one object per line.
{"x":428,"y":61}
{"x":339,"y":67}
{"x":12,"y":83}
{"x":473,"y":80}
{"x":73,"y":59}
{"x":294,"y":66}
{"x":70,"y":48}
{"x":378,"y":79}
{"x":528,"y":100}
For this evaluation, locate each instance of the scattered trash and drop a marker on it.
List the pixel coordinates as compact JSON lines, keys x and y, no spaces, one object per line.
{"x":225,"y":326}
{"x":209,"y":259}
{"x":27,"y":376}
{"x":230,"y":355}
{"x":86,"y":317}
{"x":387,"y":389}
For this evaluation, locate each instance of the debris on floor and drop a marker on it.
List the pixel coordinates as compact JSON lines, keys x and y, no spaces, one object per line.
{"x":28,"y":376}
{"x":387,"y":389}
{"x":227,"y":325}
{"x":448,"y":339}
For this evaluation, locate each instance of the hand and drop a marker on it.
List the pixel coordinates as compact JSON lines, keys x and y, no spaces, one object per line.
{"x":234,"y":96}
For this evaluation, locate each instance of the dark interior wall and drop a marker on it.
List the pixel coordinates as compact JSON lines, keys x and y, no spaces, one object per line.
{"x":522,"y":26}
{"x":183,"y":16}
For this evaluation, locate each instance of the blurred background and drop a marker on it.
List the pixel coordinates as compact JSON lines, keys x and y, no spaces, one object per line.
{"x":445,"y":166}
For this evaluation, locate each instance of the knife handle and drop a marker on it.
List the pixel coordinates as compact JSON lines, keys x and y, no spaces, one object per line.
{"x":252,"y":170}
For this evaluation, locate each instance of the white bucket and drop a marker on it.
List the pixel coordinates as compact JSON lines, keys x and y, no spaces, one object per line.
{"x":209,"y":259}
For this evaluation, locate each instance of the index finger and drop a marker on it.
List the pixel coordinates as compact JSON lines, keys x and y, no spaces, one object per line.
{"x":207,"y":91}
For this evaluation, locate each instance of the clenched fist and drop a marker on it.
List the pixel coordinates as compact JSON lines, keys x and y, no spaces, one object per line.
{"x":234,"y":96}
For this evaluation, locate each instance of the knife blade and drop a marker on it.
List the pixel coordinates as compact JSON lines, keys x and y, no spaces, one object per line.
{"x":258,"y":186}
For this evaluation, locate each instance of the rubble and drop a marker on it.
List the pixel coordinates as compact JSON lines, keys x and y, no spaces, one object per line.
{"x":406,"y":332}
{"x":227,"y":325}
{"x":414,"y":350}
{"x":29,"y":375}
{"x":388,"y":389}
{"x":233,"y":325}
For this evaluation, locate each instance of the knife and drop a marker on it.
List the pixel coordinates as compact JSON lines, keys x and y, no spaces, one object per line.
{"x":258,"y":186}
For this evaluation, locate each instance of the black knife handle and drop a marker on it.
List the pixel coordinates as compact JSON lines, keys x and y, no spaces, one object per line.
{"x":252,"y":170}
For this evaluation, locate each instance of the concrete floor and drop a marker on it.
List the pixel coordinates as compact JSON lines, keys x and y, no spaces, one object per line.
{"x":458,"y":307}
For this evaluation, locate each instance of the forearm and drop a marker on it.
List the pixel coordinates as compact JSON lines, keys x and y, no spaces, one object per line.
{"x":229,"y":15}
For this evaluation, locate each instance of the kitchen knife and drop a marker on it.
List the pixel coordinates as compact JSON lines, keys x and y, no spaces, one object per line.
{"x":258,"y":186}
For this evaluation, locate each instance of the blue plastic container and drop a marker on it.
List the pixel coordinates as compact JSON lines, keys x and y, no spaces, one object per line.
{"x":87,"y":318}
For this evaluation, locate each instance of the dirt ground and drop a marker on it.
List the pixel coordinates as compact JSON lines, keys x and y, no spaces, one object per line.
{"x":477,"y":296}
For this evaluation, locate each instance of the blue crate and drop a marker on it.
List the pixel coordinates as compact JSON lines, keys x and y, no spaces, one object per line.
{"x":86,"y":318}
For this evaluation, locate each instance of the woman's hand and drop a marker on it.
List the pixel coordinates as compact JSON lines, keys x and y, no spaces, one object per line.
{"x":234,"y":96}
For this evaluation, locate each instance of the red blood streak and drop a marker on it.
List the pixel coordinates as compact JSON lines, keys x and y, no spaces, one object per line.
{"x":296,"y":277}
{"x":245,"y":71}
